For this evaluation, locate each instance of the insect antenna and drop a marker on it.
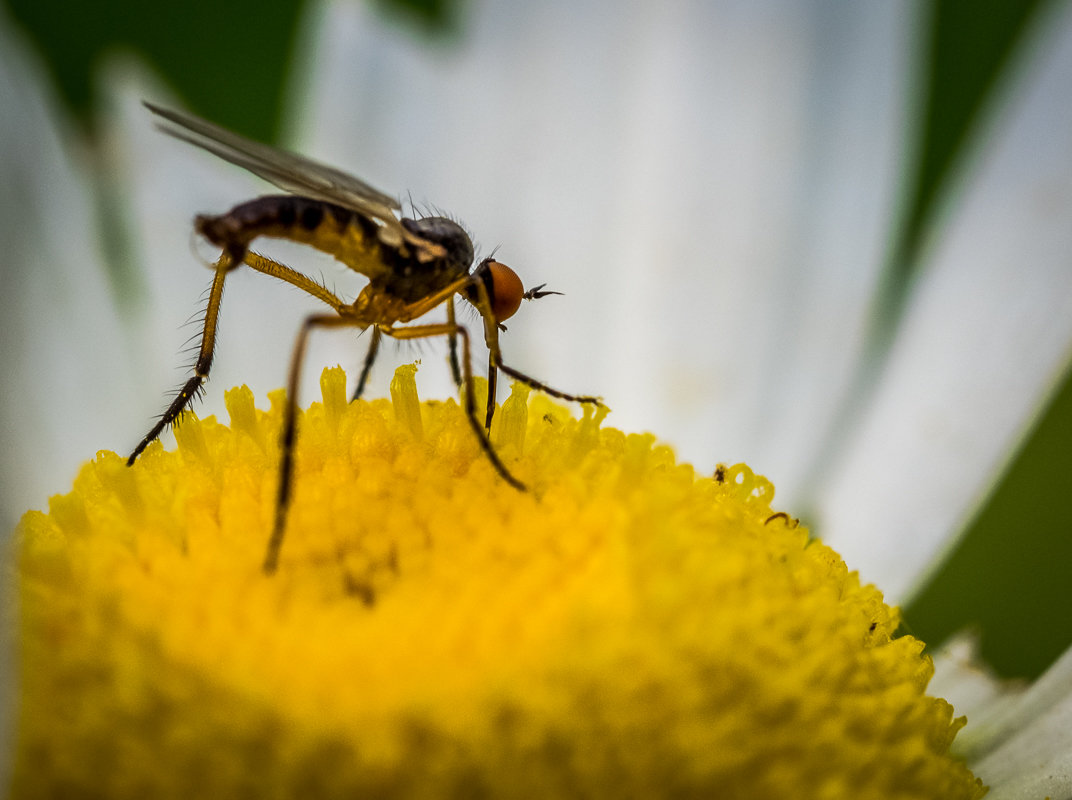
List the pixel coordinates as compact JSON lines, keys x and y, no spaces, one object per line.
{"x":536,"y":292}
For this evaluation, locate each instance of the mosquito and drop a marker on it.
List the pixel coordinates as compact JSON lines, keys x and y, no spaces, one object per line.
{"x":413,"y":266}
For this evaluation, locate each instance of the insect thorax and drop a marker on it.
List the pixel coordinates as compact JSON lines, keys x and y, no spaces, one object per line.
{"x":412,"y":278}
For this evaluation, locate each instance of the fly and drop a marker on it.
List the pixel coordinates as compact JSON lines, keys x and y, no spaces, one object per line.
{"x":413,"y":266}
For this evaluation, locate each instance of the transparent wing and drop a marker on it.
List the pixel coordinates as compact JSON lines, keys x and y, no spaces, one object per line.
{"x":288,"y":171}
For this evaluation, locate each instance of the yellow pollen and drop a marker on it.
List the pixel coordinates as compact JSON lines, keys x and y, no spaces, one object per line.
{"x":626,"y":628}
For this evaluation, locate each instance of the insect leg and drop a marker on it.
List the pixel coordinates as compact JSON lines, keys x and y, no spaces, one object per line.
{"x":286,"y":444}
{"x":208,"y":335}
{"x":482,"y":303}
{"x":496,"y":358}
{"x":492,"y":372}
{"x":370,"y":356}
{"x":276,"y":270}
{"x":423,"y":331}
{"x":493,"y":382}
{"x":453,"y":340}
{"x":491,"y":338}
{"x":204,"y":360}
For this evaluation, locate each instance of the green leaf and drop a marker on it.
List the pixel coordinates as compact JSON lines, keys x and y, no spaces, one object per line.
{"x":228,"y":60}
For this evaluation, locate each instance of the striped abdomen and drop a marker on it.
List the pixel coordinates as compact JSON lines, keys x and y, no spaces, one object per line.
{"x":345,"y":234}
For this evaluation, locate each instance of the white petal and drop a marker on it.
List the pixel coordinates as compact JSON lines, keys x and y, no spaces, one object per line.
{"x":1023,"y":749}
{"x":63,"y":345}
{"x":55,"y":296}
{"x":961,"y":677}
{"x":709,"y":184}
{"x":985,"y":334}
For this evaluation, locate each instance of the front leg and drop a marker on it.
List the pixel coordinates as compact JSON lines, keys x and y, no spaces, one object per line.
{"x":370,"y":357}
{"x":459,"y":331}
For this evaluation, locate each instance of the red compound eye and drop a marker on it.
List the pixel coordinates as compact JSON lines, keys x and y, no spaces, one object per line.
{"x":506,"y":290}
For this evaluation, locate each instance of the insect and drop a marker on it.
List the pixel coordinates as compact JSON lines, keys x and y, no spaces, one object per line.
{"x":413,"y":266}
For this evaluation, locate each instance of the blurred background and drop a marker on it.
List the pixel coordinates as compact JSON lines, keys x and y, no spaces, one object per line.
{"x":750,"y":207}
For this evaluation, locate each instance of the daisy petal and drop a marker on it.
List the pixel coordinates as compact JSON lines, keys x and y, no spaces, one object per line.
{"x":709,"y":186}
{"x":1024,"y":748}
{"x":986,"y":332}
{"x":963,"y":679}
{"x":56,"y":295}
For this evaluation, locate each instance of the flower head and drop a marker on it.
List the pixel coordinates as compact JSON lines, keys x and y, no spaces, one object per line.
{"x":627,"y":628}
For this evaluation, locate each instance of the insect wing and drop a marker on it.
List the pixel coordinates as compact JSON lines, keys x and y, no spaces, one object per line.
{"x":288,"y":171}
{"x":298,"y":175}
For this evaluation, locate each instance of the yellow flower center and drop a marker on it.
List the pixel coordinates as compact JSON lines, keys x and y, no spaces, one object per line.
{"x":627,"y":628}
